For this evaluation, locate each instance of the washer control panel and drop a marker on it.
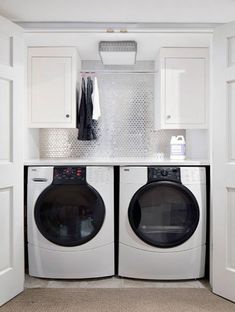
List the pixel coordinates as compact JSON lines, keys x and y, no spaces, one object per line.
{"x":164,"y":174}
{"x":69,"y":175}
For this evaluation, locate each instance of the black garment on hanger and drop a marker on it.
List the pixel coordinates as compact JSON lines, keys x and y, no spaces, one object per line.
{"x":81,"y":119}
{"x":84,"y":119}
{"x":89,"y":110}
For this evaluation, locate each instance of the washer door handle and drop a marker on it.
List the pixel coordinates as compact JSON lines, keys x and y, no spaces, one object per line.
{"x":39,"y":179}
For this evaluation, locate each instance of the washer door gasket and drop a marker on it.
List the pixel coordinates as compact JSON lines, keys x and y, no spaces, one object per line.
{"x":69,"y":215}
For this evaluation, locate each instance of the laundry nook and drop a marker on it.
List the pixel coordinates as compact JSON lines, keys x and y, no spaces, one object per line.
{"x":117,"y":156}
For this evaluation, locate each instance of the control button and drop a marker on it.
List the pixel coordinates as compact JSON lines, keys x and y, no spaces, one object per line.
{"x":164,"y":172}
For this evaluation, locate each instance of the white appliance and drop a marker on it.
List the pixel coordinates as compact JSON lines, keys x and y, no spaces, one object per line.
{"x":70,"y":222}
{"x":162,"y":231}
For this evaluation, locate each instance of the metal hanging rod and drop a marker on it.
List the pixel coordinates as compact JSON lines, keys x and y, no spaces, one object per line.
{"x":120,"y":71}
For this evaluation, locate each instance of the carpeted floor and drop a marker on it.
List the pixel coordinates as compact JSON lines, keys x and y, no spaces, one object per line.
{"x":118,"y":300}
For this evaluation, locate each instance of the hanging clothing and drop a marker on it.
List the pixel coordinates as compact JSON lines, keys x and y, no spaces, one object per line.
{"x":96,"y":101}
{"x":85,"y":111}
{"x":89,"y":110}
{"x":81,"y":118}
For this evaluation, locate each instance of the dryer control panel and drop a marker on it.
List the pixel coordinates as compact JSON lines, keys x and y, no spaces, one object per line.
{"x":69,"y":175}
{"x":164,"y":174}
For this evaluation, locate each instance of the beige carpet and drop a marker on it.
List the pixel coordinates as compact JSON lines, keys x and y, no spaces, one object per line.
{"x":118,"y":300}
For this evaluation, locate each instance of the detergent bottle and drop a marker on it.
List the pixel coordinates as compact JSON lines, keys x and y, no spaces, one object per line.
{"x":178,"y":148}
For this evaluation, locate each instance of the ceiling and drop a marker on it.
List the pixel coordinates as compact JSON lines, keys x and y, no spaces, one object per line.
{"x":156,"y":11}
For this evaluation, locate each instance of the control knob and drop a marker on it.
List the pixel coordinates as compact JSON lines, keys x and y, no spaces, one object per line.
{"x":164,"y":172}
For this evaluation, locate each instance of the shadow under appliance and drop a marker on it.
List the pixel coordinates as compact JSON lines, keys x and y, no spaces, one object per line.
{"x":162,"y":227}
{"x":70,"y":222}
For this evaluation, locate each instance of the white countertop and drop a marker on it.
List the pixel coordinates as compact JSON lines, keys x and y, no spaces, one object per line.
{"x":117,"y":162}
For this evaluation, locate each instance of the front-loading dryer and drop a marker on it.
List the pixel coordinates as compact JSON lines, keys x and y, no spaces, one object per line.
{"x":162,"y":224}
{"x":70,"y":222}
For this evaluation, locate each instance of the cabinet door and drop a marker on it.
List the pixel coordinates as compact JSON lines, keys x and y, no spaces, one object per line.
{"x":52,"y":87}
{"x":185,"y":91}
{"x":183,"y":88}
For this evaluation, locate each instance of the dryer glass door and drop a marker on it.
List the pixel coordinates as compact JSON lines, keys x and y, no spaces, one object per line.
{"x":69,"y":215}
{"x":164,"y":214}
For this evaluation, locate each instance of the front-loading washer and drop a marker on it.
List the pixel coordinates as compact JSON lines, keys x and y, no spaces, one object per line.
{"x":162,"y":224}
{"x":70,"y":221}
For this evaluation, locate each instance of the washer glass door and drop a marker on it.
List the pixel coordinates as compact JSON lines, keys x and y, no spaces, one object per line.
{"x":69,"y":215}
{"x":164,"y":214}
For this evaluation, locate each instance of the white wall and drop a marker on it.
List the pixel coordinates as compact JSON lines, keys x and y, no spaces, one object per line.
{"x":148,"y":44}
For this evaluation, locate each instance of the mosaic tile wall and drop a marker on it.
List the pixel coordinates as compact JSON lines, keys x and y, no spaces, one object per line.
{"x":125,"y":128}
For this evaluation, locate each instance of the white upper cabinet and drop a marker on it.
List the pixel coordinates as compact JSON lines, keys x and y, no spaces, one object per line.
{"x":52,"y":83}
{"x":181,"y":88}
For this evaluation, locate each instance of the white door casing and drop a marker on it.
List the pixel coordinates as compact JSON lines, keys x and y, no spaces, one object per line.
{"x":11,"y":160}
{"x":223,"y":162}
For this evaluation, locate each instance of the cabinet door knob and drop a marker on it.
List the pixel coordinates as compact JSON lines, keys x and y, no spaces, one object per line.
{"x":67,"y":116}
{"x":168,"y":117}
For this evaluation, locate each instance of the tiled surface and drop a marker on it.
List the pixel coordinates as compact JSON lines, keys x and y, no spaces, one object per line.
{"x":126,"y":125}
{"x":111,"y":282}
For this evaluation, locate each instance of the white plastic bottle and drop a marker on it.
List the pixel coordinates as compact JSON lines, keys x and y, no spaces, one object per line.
{"x":178,"y":148}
